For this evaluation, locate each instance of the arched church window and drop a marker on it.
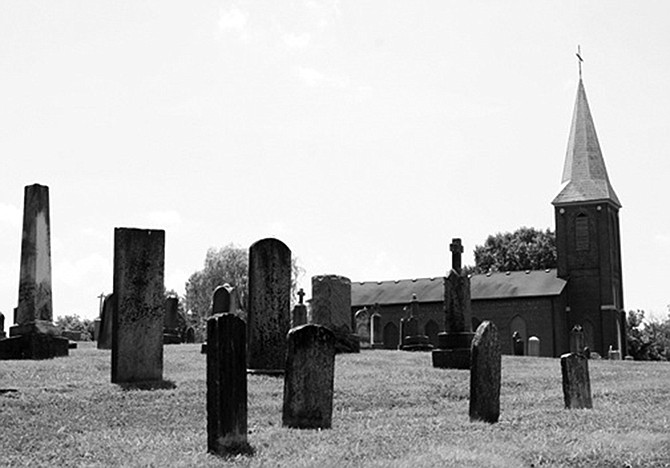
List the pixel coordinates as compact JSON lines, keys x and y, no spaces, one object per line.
{"x":582,"y":232}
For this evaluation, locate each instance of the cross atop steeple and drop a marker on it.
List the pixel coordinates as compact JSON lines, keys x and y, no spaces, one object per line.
{"x":579,"y":57}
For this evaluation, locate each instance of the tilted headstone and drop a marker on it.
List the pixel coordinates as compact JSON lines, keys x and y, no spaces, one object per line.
{"x":534,"y":346}
{"x":226,"y":385}
{"x":485,"y":374}
{"x":137,"y":324}
{"x":105,"y":334}
{"x":412,"y":339}
{"x":34,"y":335}
{"x":454,"y":343}
{"x":376,"y":332}
{"x":331,"y":307}
{"x":299,"y":312}
{"x":310,"y":374}
{"x":577,"y":343}
{"x":171,"y":322}
{"x":362,"y":318}
{"x":576,"y":382}
{"x":269,"y":318}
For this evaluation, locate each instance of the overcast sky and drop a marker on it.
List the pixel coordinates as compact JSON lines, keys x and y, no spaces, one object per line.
{"x":365,"y":135}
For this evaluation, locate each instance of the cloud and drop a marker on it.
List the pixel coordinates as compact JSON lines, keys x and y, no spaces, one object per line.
{"x":313,"y":78}
{"x":10,"y":215}
{"x":233,"y":19}
{"x":164,"y":218}
{"x":84,"y":271}
{"x":297,"y":41}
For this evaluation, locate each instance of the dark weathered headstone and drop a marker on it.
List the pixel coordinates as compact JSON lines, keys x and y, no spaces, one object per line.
{"x":106,"y":320}
{"x":485,"y":374}
{"x":299,"y":312}
{"x":96,"y":329}
{"x":454,"y":343}
{"x":2,"y":326}
{"x":331,"y":307}
{"x":576,"y":382}
{"x":224,"y":301}
{"x":412,"y":339}
{"x":269,"y":315}
{"x":226,"y":385}
{"x":376,"y":332}
{"x":310,"y":374}
{"x":362,"y":318}
{"x":171,"y":321}
{"x":137,"y":323}
{"x":190,"y":335}
{"x":34,"y":335}
{"x":577,"y":343}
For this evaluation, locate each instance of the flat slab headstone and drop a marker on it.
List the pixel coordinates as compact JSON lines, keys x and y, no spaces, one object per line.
{"x":534,"y":346}
{"x":376,"y":332}
{"x":106,"y":319}
{"x":309,"y":378}
{"x":362,"y":319}
{"x":34,"y":335}
{"x":171,"y":321}
{"x":226,"y":385}
{"x":137,"y":324}
{"x":576,"y":381}
{"x":224,"y":301}
{"x":269,"y":315}
{"x":485,"y":371}
{"x":331,"y":307}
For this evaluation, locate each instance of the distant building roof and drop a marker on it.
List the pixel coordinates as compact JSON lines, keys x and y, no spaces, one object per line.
{"x":489,"y":286}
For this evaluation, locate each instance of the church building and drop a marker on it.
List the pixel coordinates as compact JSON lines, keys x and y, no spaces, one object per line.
{"x":585,"y":289}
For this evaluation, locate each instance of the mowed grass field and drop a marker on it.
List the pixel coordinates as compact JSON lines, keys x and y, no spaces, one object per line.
{"x":391,"y":408}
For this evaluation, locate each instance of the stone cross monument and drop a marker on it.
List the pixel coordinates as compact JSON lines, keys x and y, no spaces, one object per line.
{"x":34,"y":335}
{"x":454,"y":343}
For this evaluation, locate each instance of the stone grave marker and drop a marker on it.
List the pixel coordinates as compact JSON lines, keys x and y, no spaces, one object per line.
{"x":310,"y":373}
{"x":269,"y":312}
{"x":299,"y":312}
{"x":376,"y":332}
{"x":331,"y":307}
{"x":576,"y":382}
{"x":190,"y":335}
{"x":362,"y":318}
{"x":485,"y":374}
{"x":34,"y":335}
{"x":454,"y":343}
{"x":577,"y":343}
{"x":105,"y":333}
{"x":224,"y":301}
{"x":171,"y":322}
{"x":137,"y":323}
{"x":412,"y":339}
{"x":2,"y":326}
{"x":226,"y":385}
{"x":613,"y":354}
{"x":534,"y":346}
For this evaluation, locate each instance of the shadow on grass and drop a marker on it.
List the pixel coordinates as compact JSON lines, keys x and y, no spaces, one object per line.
{"x":148,"y":385}
{"x":234,"y":450}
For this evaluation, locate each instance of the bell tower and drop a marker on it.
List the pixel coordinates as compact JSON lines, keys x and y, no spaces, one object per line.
{"x":587,"y":237}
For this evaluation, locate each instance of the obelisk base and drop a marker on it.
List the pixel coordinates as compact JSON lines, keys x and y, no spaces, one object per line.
{"x":35,"y":340}
{"x":453,"y":350}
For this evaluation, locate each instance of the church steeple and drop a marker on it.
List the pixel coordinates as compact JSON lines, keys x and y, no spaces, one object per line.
{"x":584,"y":170}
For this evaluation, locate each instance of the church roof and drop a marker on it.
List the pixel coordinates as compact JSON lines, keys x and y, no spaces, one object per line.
{"x":514,"y":284}
{"x":584,"y":170}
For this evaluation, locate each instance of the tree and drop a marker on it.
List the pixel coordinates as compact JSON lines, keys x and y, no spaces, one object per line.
{"x":524,"y":249}
{"x":229,"y":264}
{"x":650,"y":340}
{"x":75,"y":323}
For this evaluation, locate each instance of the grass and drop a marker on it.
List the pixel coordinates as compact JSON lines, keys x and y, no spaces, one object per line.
{"x":391,"y":409}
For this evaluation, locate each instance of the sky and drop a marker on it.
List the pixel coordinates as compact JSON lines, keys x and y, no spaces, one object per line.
{"x":364,"y":135}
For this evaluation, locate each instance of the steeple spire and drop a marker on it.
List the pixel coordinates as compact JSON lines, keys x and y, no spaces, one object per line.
{"x":584,"y":170}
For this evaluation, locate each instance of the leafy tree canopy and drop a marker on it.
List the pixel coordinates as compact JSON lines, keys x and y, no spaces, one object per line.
{"x":524,"y":249}
{"x":648,"y":340}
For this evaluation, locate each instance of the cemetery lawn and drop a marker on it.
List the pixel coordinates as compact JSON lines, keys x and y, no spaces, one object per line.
{"x":391,"y":408}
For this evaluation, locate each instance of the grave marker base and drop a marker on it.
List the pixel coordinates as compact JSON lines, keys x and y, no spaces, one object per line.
{"x":34,"y":346}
